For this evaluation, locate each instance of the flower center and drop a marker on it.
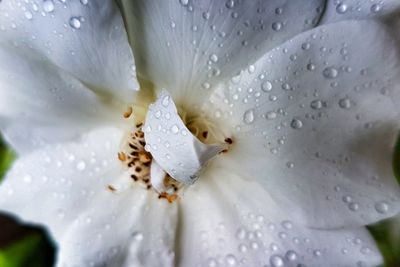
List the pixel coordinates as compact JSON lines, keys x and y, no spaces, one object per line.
{"x":168,"y":150}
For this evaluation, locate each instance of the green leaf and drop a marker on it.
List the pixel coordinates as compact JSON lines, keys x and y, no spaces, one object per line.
{"x":7,"y":156}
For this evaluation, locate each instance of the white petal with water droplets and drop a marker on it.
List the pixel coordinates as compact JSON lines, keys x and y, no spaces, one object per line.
{"x":90,"y":204}
{"x":172,"y":145}
{"x":87,"y":40}
{"x":189,"y":46}
{"x":355,"y":9}
{"x":326,"y":153}
{"x":230,"y":220}
{"x":41,"y":103}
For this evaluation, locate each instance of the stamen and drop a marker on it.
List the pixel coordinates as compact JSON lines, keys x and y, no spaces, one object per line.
{"x":128,"y":113}
{"x":121,"y":156}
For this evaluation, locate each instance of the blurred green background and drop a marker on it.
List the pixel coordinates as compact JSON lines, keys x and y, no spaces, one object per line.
{"x":22,"y":245}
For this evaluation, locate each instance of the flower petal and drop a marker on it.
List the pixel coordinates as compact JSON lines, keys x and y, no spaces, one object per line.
{"x":317,"y":122}
{"x":188,"y":46}
{"x":40,"y":103}
{"x":85,"y":38}
{"x":89,"y":203}
{"x":172,"y":145}
{"x":354,"y":9}
{"x":228,"y":221}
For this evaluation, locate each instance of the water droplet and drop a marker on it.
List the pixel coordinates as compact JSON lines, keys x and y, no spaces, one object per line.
{"x":310,"y":66}
{"x":345,"y":103}
{"x":206,"y":15}
{"x":375,"y":8}
{"x":341,"y":8}
{"x":214,"y":58}
{"x":184,"y":2}
{"x":347,"y":199}
{"x":165,"y":101}
{"x":354,"y":206}
{"x":266,"y":86}
{"x":382,"y":207}
{"x":330,"y":72}
{"x":206,"y":85}
{"x":317,"y":104}
{"x":277,"y":26}
{"x":28,"y":15}
{"x":270,"y":115}
{"x":75,"y":23}
{"x":231,"y":260}
{"x":230,"y":4}
{"x":248,"y":116}
{"x":291,"y":255}
{"x":48,"y":6}
{"x":276,"y":261}
{"x":296,"y":124}
{"x":174,"y":129}
{"x":81,"y":165}
{"x":157,"y":114}
{"x":287,"y":224}
{"x":137,"y":236}
{"x":286,"y":86}
{"x":305,"y":46}
{"x":317,"y":253}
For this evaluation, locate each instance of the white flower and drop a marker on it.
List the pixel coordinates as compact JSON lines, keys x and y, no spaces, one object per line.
{"x":307,"y":129}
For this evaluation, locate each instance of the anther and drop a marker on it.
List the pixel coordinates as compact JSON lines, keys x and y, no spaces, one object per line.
{"x":128,"y":113}
{"x":121,"y":156}
{"x":229,"y":141}
{"x":111,"y":188}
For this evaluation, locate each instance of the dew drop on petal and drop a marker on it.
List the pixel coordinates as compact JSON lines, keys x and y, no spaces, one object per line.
{"x":165,"y":101}
{"x":174,"y":129}
{"x":345,"y":103}
{"x":291,"y":255}
{"x":214,"y":58}
{"x":277,"y":26}
{"x":382,"y":207}
{"x":270,"y":115}
{"x":28,"y":15}
{"x":296,"y":124}
{"x":231,"y":260}
{"x":375,"y":8}
{"x":276,"y":261}
{"x":230,"y":4}
{"x":75,"y":23}
{"x":310,"y":66}
{"x":266,"y":86}
{"x":248,"y":116}
{"x":137,"y":236}
{"x":48,"y":6}
{"x":330,"y":72}
{"x":81,"y":165}
{"x":341,"y":8}
{"x":317,"y":104}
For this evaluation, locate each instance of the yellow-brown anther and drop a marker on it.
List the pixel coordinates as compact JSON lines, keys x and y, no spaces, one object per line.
{"x":144,"y":157}
{"x":121,"y":156}
{"x":128,"y":113}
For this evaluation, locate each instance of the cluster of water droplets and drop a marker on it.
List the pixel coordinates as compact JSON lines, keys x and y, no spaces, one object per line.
{"x":343,"y":8}
{"x":261,"y":242}
{"x":34,"y":10}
